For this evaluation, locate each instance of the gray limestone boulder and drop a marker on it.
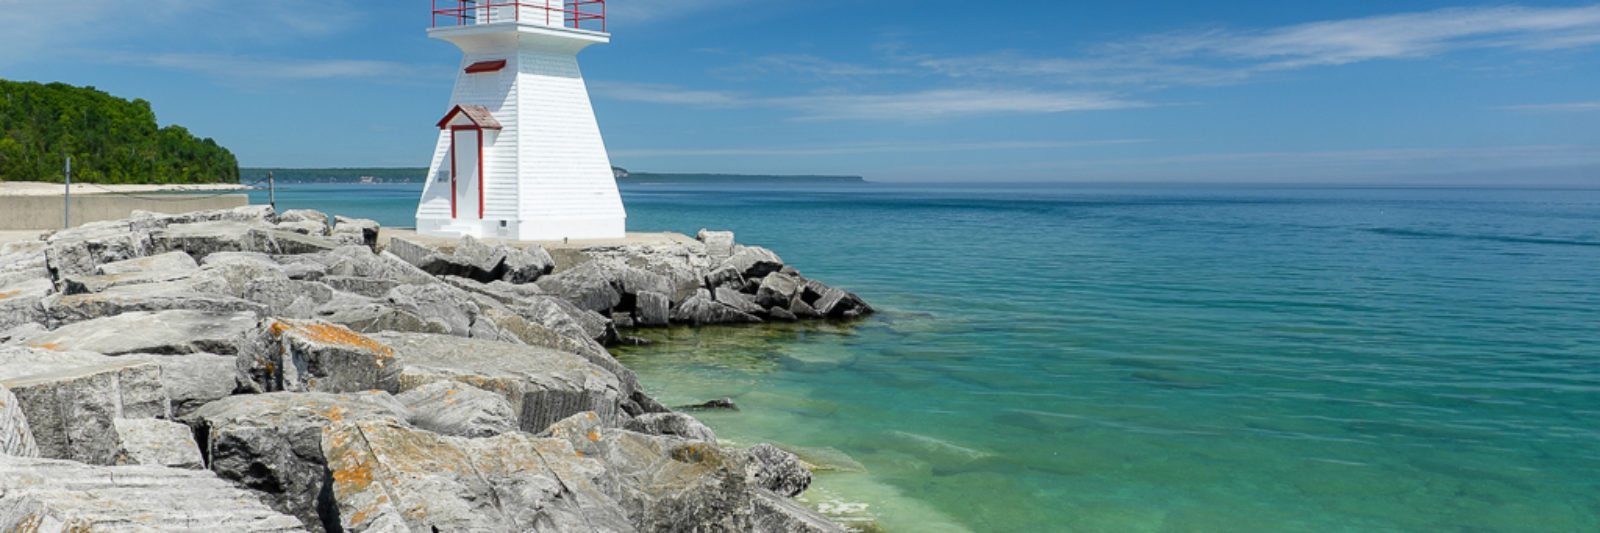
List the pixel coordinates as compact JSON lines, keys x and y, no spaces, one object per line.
{"x":537,"y":334}
{"x":724,"y":275}
{"x":778,"y":289}
{"x":652,"y":309}
{"x":779,"y":314}
{"x":358,"y":261}
{"x":631,"y":281}
{"x":366,"y":229}
{"x":38,"y":495}
{"x":72,"y":410}
{"x":15,"y":438}
{"x":304,"y":215}
{"x":79,"y":250}
{"x":719,"y":244}
{"x":389,"y":477}
{"x":477,"y":260}
{"x":701,"y":310}
{"x":148,"y":297}
{"x":20,"y":302}
{"x":260,"y":215}
{"x":410,"y":251}
{"x":313,"y":356}
{"x":738,"y":301}
{"x":160,"y":332}
{"x":304,"y":227}
{"x":364,"y":286}
{"x":588,"y":286}
{"x":272,"y":444}
{"x":204,"y":238}
{"x":665,"y":483}
{"x":753,"y":261}
{"x":149,"y":441}
{"x":196,"y":379}
{"x":229,"y":273}
{"x":288,"y":298}
{"x":528,"y":265}
{"x":374,"y":317}
{"x":156,"y":268}
{"x":437,"y":303}
{"x":776,"y":470}
{"x":457,"y":409}
{"x":541,"y":384}
{"x":674,"y":424}
{"x":838,"y":303}
{"x":684,"y":264}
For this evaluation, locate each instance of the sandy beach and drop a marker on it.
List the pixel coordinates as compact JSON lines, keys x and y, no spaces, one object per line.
{"x":40,"y":188}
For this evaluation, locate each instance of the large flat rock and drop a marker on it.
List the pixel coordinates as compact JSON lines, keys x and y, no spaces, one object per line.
{"x":541,"y":384}
{"x":52,"y":495}
{"x":158,"y":332}
{"x":389,"y":477}
{"x":148,"y":297}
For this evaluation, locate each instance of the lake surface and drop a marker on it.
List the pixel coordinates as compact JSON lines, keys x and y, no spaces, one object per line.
{"x":1149,"y":358}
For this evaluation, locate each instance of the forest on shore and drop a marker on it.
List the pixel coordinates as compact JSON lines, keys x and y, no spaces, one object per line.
{"x":110,"y":139}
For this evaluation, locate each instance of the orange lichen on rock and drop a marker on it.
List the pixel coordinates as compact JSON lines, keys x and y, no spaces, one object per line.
{"x":354,"y":476}
{"x":594,"y":435}
{"x":4,"y":295}
{"x":335,"y":413}
{"x":51,"y":346}
{"x":359,"y":516}
{"x":333,"y":334}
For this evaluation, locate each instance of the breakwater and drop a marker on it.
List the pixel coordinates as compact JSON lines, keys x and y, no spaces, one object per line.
{"x":247,"y":370}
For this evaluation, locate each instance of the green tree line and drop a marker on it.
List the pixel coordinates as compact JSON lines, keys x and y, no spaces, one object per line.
{"x":111,"y":140}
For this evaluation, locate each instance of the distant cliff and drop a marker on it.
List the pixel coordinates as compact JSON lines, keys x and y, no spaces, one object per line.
{"x":111,"y":140}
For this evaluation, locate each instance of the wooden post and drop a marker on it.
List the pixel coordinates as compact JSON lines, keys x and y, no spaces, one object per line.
{"x":66,"y":206}
{"x":272,"y":192}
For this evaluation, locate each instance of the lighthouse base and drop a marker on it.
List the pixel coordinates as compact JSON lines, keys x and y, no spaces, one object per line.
{"x":537,"y":229}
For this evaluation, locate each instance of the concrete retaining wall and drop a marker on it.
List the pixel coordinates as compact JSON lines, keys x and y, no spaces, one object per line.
{"x":44,"y":212}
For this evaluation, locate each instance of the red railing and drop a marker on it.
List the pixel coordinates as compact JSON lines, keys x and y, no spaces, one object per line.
{"x":572,"y":13}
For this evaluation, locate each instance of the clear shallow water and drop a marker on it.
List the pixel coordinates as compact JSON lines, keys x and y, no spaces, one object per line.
{"x":1079,"y":358}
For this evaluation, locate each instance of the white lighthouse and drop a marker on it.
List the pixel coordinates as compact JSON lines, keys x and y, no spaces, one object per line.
{"x":519,"y":154}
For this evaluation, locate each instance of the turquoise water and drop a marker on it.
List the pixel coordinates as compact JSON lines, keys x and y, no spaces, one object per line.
{"x":1080,"y":358}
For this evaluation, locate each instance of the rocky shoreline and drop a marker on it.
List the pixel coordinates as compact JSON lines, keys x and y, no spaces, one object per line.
{"x":244,"y":370}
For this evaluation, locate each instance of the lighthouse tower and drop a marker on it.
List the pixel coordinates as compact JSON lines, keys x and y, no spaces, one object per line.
{"x":519,"y":154}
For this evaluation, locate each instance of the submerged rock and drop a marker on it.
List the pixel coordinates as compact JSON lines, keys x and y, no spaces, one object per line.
{"x":719,"y":403}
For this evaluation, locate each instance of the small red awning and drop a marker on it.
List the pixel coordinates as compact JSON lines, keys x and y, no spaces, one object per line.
{"x":486,"y":66}
{"x":477,"y":114}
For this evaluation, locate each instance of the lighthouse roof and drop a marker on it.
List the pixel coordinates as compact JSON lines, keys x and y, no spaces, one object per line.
{"x":479,"y":115}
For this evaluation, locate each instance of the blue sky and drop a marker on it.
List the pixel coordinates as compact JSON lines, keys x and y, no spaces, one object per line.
{"x":895,"y":90}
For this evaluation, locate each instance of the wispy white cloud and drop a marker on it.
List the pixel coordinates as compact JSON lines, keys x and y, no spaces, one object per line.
{"x":874,"y":148}
{"x":656,"y":93}
{"x":943,"y":103}
{"x":1568,"y":107}
{"x":905,"y":106}
{"x":1222,"y":56}
{"x":806,"y":65}
{"x":251,"y":68}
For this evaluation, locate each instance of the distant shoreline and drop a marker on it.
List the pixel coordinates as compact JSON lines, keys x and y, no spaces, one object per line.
{"x":42,"y":188}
